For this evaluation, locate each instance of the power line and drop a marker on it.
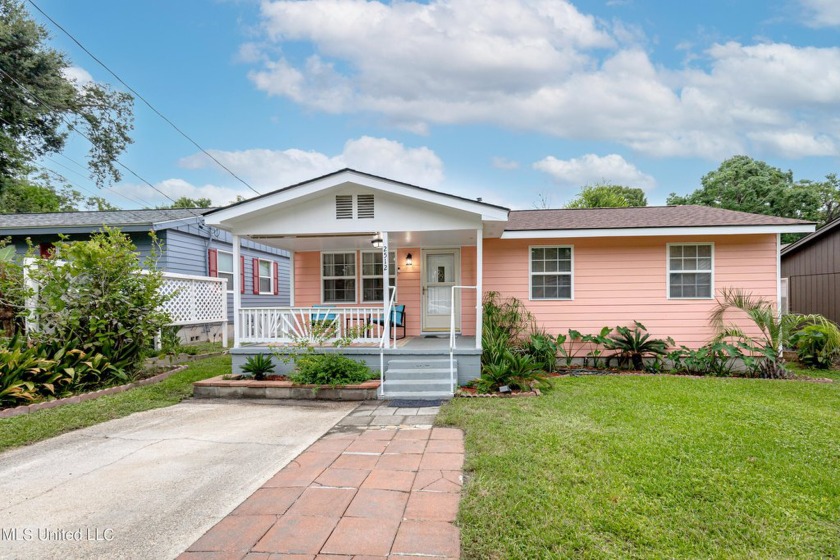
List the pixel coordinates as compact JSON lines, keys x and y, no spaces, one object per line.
{"x":142,"y":204}
{"x":75,"y":129}
{"x":143,"y":99}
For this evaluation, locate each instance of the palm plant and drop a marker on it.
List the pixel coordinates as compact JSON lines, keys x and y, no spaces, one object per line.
{"x":776,"y":330}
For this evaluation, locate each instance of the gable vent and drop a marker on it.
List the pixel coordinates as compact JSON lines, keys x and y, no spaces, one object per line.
{"x":343,"y":207}
{"x":365,"y":206}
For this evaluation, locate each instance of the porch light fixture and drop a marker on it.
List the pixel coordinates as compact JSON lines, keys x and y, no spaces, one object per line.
{"x":408,"y":261}
{"x":376,"y":242}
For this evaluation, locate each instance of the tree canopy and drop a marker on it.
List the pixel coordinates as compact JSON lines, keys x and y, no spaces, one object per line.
{"x":40,"y":105}
{"x":749,"y":185}
{"x":187,"y":202}
{"x":608,"y":196}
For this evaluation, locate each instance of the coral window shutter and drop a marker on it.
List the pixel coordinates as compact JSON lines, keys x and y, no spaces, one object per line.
{"x":256,"y":269}
{"x":276,"y":278}
{"x":242,"y":275}
{"x":212,"y":262}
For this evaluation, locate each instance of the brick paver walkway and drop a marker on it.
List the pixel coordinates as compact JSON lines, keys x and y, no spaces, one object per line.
{"x":372,"y":491}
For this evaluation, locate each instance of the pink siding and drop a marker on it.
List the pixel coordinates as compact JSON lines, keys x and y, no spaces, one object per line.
{"x":308,"y":285}
{"x":468,"y":278}
{"x":620,"y":280}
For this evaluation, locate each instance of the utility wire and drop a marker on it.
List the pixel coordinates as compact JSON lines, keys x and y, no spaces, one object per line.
{"x":75,"y":129}
{"x":143,"y":99}
{"x":111,"y":189}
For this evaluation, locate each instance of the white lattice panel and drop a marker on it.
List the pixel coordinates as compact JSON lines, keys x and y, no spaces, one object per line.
{"x":194,"y":300}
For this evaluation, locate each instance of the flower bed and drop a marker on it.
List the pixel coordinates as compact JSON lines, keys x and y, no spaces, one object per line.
{"x":34,"y":407}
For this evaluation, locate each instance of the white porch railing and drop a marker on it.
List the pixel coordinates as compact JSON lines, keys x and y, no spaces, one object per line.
{"x":452,"y":338}
{"x":265,"y":325}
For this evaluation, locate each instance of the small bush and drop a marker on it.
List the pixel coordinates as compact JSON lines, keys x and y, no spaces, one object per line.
{"x":329,"y":369}
{"x":633,"y":345}
{"x":814,"y":346}
{"x":543,"y":348}
{"x":259,"y":366}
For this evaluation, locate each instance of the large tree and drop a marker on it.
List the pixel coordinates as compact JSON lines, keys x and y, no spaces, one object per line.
{"x":40,"y":105}
{"x":604,"y":195}
{"x":749,"y":185}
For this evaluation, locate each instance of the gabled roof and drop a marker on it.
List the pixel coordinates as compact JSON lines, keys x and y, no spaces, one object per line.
{"x":127,"y":220}
{"x":811,"y":238}
{"x":286,"y":194}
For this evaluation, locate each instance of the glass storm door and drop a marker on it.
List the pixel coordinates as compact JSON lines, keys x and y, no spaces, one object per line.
{"x":441,"y":271}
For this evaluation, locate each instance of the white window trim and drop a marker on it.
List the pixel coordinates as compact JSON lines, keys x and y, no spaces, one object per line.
{"x":355,"y":277}
{"x":392,"y":273}
{"x":668,"y":271}
{"x":531,"y":273}
{"x":270,"y":276}
{"x":219,"y":271}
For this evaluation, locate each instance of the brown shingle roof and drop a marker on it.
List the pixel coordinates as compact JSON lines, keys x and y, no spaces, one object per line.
{"x":643,"y":217}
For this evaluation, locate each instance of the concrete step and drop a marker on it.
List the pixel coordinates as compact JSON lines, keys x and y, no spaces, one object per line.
{"x":419,"y":364}
{"x":419,"y":395}
{"x":416,"y":385}
{"x":406,"y":373}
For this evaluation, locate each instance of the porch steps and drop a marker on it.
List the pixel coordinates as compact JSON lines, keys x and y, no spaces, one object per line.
{"x":418,"y":379}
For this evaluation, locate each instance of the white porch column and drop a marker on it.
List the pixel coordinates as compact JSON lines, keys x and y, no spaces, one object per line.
{"x":479,"y":285}
{"x":237,"y":290}
{"x":291,"y":278}
{"x":386,"y":295}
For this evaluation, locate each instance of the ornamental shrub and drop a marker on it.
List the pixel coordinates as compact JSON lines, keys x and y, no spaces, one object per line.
{"x":329,"y":369}
{"x":96,"y":292}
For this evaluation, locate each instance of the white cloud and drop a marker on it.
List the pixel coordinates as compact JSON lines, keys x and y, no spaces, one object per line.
{"x":591,"y":168}
{"x":505,"y":163}
{"x":821,"y":13}
{"x":176,"y":188}
{"x":77,"y":74}
{"x":272,"y":169}
{"x":542,"y":65}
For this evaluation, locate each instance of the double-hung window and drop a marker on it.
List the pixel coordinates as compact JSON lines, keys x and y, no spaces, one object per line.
{"x":372,"y":275}
{"x":266,"y":278}
{"x":224,"y":267}
{"x":690,"y":271}
{"x":551,"y":272}
{"x":338,"y":277}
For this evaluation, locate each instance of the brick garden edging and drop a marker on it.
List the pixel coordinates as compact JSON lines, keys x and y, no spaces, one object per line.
{"x":30,"y":408}
{"x":220,"y":388}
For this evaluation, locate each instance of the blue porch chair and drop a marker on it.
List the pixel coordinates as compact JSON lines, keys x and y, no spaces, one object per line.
{"x":397,"y":319}
{"x":323,"y":315}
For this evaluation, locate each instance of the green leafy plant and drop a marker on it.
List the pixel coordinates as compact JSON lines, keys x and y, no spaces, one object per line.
{"x":775,"y":332}
{"x":596,"y":343}
{"x":815,"y":346}
{"x":258,"y":366}
{"x":633,"y":345}
{"x":99,"y":295}
{"x":515,"y":370}
{"x":329,"y":368}
{"x":170,"y":342}
{"x":542,"y":347}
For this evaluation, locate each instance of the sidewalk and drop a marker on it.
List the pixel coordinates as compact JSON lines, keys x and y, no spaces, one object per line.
{"x":382,"y":484}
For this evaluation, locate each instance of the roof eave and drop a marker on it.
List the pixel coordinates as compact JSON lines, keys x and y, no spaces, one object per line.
{"x":656,"y":231}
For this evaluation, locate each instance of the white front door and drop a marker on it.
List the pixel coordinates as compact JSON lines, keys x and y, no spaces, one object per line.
{"x":441,"y":271}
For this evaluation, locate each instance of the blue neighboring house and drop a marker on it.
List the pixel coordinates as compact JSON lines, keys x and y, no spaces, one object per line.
{"x":188,"y":247}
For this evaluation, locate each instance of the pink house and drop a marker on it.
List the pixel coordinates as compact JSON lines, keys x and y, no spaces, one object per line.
{"x":581,"y":269}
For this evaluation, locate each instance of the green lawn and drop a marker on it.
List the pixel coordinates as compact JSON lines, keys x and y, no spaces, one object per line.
{"x":653,"y":467}
{"x":29,"y":428}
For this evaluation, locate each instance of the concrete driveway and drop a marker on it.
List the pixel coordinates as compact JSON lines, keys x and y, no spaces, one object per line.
{"x":150,"y":484}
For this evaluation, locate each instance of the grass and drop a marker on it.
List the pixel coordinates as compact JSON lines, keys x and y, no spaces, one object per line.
{"x":29,"y":428}
{"x":653,"y":467}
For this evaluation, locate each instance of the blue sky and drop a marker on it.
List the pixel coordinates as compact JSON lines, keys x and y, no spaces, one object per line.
{"x":509,"y":100}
